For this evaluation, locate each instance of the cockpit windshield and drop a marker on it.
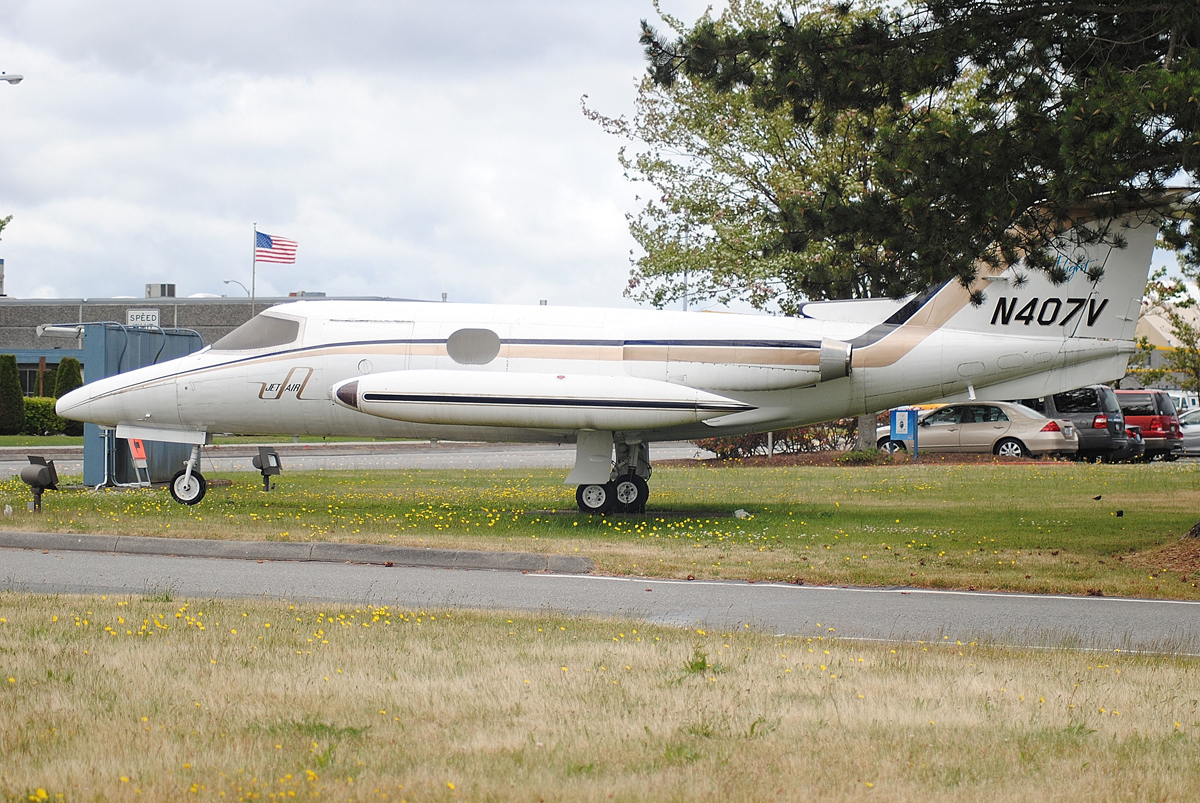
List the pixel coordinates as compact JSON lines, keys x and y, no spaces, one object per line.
{"x":260,"y":332}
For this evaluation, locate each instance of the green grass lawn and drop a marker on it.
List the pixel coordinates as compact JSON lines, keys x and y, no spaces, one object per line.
{"x":1029,"y":527}
{"x":35,"y":441}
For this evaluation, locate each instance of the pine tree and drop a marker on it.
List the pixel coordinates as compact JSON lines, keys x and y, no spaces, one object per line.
{"x":12,"y":399}
{"x":985,"y":126}
{"x":67,"y":378}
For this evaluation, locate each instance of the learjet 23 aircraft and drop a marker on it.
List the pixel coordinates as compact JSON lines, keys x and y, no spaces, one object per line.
{"x":614,"y":381}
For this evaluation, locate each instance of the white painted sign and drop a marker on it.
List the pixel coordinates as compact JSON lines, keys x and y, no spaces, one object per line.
{"x":141,"y":317}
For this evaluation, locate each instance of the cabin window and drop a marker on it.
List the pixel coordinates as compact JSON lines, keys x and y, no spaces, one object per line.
{"x":260,"y":332}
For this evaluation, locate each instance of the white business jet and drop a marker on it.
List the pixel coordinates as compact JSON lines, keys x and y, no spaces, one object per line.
{"x":614,"y":381}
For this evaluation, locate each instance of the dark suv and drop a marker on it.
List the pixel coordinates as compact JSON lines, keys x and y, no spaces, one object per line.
{"x":1097,"y":417}
{"x":1154,"y":412}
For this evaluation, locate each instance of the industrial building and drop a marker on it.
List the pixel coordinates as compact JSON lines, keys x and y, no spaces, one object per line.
{"x":210,"y":317}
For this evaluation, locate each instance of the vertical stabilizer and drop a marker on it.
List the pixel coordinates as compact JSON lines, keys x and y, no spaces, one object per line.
{"x":1100,"y":299}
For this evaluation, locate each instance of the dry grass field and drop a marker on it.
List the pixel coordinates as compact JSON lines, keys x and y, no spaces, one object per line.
{"x":165,"y":699}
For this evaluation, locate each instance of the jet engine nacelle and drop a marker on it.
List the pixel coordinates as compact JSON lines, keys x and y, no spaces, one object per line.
{"x":746,"y":368}
{"x":539,"y":401}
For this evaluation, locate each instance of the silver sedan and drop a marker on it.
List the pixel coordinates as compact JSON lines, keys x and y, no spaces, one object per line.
{"x":1001,"y":428}
{"x":1189,"y":422}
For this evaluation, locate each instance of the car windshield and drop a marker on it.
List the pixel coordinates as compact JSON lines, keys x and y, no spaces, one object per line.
{"x":1026,"y":410}
{"x":260,"y":332}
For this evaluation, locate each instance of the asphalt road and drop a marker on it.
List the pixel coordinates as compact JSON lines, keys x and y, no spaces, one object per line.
{"x":886,"y":614}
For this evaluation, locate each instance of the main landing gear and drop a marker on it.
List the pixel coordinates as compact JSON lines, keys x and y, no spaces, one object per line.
{"x":188,"y":486}
{"x":627,"y":488}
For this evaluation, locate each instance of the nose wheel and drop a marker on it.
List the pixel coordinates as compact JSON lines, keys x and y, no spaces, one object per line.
{"x":187,"y":488}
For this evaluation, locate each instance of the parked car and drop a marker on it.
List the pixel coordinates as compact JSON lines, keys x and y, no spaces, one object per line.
{"x":1184,"y":401}
{"x":1189,"y":423}
{"x":1135,"y":449}
{"x":1001,"y":428}
{"x":1097,"y":417}
{"x":1153,"y":411}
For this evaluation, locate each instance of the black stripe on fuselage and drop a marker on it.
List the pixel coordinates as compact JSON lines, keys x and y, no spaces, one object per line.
{"x":537,"y":401}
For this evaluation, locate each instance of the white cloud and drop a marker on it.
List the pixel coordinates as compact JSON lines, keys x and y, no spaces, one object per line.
{"x":411,"y":148}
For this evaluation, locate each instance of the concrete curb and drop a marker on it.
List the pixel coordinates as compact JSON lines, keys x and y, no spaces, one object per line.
{"x":375,"y":554}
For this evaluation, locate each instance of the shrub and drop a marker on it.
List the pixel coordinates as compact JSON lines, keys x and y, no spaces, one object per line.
{"x":735,"y":445}
{"x":49,"y":377}
{"x":828,"y":436}
{"x":12,"y":400}
{"x":866,"y":457}
{"x":824,"y":437}
{"x":40,"y":418}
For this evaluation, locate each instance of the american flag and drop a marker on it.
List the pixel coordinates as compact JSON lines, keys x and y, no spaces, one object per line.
{"x":273,"y":249}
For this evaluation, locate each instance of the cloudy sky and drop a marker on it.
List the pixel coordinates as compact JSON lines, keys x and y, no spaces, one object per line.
{"x":412,"y":148}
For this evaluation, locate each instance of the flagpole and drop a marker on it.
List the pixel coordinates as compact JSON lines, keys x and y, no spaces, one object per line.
{"x":253,"y":268}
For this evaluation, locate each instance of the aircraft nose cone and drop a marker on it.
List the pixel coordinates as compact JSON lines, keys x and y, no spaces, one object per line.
{"x":348,"y":394}
{"x":73,"y":405}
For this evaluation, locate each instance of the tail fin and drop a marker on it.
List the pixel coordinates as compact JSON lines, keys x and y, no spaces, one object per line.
{"x":1101,"y":297}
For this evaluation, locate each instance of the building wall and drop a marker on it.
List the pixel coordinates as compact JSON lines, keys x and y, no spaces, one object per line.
{"x":212,"y":318}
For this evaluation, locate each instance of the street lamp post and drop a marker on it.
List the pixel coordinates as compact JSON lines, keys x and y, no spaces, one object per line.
{"x":12,"y":79}
{"x":239,"y":284}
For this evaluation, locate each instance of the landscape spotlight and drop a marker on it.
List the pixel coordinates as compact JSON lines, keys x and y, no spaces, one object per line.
{"x":40,"y":476}
{"x":267,"y":462}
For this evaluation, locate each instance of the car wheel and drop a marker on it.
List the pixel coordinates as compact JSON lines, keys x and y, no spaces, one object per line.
{"x":1010,"y":447}
{"x":891,"y":447}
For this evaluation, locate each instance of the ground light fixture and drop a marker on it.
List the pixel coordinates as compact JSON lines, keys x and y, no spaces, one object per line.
{"x":40,"y":475}
{"x":267,"y":463}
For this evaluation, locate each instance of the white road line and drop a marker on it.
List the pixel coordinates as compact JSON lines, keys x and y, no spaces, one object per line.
{"x":859,"y":590}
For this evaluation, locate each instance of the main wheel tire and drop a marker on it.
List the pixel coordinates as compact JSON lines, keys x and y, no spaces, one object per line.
{"x":891,"y":446}
{"x":1010,"y":447}
{"x":596,"y":499}
{"x":188,"y":490}
{"x":631,"y":492}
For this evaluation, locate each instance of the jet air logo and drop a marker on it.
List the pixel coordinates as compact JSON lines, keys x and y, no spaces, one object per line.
{"x":293,"y":384}
{"x":1047,"y":312}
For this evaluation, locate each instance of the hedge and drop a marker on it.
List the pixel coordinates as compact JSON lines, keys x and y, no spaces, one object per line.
{"x":40,"y":418}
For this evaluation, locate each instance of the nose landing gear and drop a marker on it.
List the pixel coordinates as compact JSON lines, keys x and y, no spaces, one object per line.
{"x":188,"y":485}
